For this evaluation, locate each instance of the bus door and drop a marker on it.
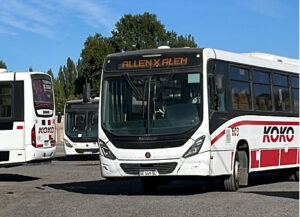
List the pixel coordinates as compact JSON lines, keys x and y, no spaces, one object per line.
{"x":11,"y":119}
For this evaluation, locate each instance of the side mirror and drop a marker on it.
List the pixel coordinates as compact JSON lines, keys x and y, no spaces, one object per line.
{"x":219,"y":83}
{"x":86,"y":92}
{"x":59,"y":117}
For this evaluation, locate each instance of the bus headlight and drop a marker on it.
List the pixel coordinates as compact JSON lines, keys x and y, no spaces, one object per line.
{"x":195,"y":148}
{"x":104,"y":151}
{"x":67,"y":144}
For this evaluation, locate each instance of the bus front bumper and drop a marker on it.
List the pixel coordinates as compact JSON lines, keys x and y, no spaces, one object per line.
{"x":198,"y":165}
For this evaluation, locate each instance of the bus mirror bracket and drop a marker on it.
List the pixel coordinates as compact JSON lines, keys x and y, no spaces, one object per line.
{"x":86,"y":92}
{"x":59,"y":117}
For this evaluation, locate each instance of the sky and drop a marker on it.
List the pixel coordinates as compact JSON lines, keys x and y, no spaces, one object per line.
{"x":42,"y":34}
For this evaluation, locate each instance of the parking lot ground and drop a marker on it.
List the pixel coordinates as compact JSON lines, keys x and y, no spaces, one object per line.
{"x":75,"y":188}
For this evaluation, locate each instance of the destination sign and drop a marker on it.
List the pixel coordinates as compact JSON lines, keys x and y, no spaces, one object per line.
{"x":154,"y":62}
{"x":144,"y":61}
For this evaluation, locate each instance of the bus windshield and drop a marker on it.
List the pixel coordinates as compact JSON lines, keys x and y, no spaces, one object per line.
{"x":42,"y":93}
{"x":152,"y":105}
{"x":81,"y":125}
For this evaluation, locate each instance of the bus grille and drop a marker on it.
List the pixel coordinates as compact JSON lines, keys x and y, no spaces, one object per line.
{"x":162,"y":168}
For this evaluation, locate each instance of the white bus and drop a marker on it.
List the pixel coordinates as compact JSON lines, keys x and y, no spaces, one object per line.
{"x":81,"y":127}
{"x":26,"y":117}
{"x":198,"y":112}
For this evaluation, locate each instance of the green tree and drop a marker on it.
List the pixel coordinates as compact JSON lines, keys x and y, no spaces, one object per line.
{"x":180,"y":41}
{"x":49,"y":72}
{"x":144,"y":31}
{"x":141,"y":31}
{"x":70,"y":75}
{"x":30,"y":69}
{"x":2,"y":65}
{"x":96,"y":48}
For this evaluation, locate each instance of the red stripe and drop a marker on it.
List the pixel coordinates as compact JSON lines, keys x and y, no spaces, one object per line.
{"x":269,"y":158}
{"x":254,"y":161}
{"x":240,"y":123}
{"x":289,"y":157}
{"x":217,"y":137}
{"x":19,"y":127}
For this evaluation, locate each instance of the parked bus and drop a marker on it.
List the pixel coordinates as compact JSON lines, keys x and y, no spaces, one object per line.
{"x":81,"y":127}
{"x":27,"y":112}
{"x":198,"y":112}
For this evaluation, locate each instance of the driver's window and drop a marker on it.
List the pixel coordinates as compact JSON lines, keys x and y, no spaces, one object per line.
{"x":216,"y":100}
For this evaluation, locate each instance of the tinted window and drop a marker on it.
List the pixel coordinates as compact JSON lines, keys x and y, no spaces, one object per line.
{"x":281,"y":80}
{"x":241,"y":96}
{"x":260,"y":77}
{"x":239,"y":74}
{"x":295,"y":82}
{"x":263,"y":99}
{"x":296,"y":100}
{"x":5,"y":101}
{"x":282,"y":99}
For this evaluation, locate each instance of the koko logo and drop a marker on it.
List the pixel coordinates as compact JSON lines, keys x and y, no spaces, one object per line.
{"x":278,"y":134}
{"x":46,"y":130}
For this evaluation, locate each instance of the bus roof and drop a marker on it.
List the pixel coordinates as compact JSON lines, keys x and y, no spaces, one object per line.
{"x":259,"y":59}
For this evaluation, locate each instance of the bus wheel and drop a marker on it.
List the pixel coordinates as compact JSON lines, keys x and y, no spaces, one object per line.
{"x":232,"y":182}
{"x":149,"y":186}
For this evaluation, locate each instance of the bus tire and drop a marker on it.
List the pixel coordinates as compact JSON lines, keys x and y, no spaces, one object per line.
{"x":232,"y":182}
{"x":149,"y":186}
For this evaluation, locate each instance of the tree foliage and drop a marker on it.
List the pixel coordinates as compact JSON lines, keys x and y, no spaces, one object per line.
{"x":134,"y":32}
{"x":2,"y":65}
{"x":144,"y":31}
{"x":96,"y":48}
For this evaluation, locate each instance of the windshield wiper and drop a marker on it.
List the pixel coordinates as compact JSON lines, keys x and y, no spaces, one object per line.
{"x":135,"y":90}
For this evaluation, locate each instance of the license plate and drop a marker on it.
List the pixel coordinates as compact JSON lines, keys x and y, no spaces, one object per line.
{"x":148,"y":173}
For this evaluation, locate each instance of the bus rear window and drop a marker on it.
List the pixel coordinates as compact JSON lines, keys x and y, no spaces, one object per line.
{"x":42,"y":92}
{"x":5,"y":101}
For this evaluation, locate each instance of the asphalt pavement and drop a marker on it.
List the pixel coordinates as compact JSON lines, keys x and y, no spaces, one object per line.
{"x":75,"y":188}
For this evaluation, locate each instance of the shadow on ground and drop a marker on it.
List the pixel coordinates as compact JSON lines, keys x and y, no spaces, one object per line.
{"x":285,"y":194}
{"x":134,"y":187}
{"x":77,"y":158}
{"x":16,"y":178}
{"x":179,"y":187}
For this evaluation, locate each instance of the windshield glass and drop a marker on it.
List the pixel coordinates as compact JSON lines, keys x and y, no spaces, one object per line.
{"x":81,"y":124}
{"x":152,"y":105}
{"x":42,"y":94}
